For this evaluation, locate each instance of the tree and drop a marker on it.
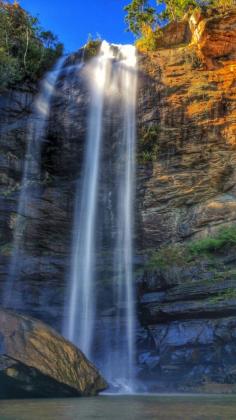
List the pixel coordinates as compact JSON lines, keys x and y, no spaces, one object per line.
{"x":9,"y":69}
{"x":139,"y":13}
{"x":175,"y":9}
{"x":24,"y":45}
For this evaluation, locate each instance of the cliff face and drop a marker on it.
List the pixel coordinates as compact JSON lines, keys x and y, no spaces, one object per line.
{"x":188,"y":131}
{"x":186,"y":190}
{"x":15,"y":109}
{"x":40,"y":288}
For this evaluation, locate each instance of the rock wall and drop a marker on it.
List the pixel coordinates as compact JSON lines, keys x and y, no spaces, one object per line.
{"x":187,"y":126}
{"x":186,"y":192}
{"x":40,"y":288}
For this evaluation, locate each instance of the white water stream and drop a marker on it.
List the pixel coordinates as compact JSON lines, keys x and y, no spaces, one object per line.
{"x":112,"y":74}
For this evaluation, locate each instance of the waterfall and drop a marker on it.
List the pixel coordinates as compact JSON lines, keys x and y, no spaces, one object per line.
{"x":31,"y":172}
{"x":112,"y":84}
{"x":123,"y":257}
{"x":81,"y":306}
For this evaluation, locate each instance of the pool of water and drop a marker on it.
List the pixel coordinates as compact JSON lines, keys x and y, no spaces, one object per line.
{"x":123,"y":408}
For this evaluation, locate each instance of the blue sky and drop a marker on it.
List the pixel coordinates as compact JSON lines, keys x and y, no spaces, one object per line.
{"x":73,"y":20}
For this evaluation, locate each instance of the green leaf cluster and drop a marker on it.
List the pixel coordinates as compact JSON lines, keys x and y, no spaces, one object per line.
{"x":181,"y":254}
{"x":175,"y":9}
{"x":139,"y":13}
{"x":92,"y":47}
{"x":225,"y":238}
{"x":148,"y":146}
{"x":26,"y":50}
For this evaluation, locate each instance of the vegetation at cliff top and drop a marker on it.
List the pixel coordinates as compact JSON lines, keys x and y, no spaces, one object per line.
{"x":182,"y":254}
{"x":92,"y":47}
{"x":146,"y":21}
{"x":26,"y":50}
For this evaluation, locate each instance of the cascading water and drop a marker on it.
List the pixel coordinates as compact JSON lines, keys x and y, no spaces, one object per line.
{"x":112,"y":83}
{"x":123,"y":257}
{"x":31,"y":172}
{"x":81,"y":306}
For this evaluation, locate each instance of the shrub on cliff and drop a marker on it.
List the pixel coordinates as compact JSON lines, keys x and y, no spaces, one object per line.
{"x":149,"y":39}
{"x":92,"y":47}
{"x":225,"y":238}
{"x":180,"y":254}
{"x":26,"y":51}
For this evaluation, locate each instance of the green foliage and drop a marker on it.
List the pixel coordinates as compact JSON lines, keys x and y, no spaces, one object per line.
{"x":139,"y":14}
{"x":183,"y":254}
{"x":225,"y":238}
{"x":148,"y":40}
{"x":9,"y":69}
{"x":26,"y":51}
{"x":167,"y":255}
{"x":175,"y":9}
{"x":91,"y":49}
{"x":148,"y":143}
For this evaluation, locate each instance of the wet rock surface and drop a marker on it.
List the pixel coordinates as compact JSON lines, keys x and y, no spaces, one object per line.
{"x":190,"y":355}
{"x":35,"y":361}
{"x":187,"y":310}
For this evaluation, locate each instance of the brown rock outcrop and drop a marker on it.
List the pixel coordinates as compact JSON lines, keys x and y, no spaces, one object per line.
{"x":187,"y":191}
{"x":215,"y":37}
{"x":187,"y":144}
{"x":175,"y":33}
{"x":36,"y":361}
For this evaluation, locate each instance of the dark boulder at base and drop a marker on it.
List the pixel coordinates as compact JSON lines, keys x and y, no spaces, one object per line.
{"x":35,"y":361}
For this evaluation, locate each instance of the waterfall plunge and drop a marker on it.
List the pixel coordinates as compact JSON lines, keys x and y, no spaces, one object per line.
{"x":31,"y":173}
{"x":112,"y":78}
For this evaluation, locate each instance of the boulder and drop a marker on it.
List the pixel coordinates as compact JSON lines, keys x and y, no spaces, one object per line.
{"x":35,"y":361}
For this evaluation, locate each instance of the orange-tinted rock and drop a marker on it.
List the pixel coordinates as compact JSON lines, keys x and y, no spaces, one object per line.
{"x":195,"y":19}
{"x":187,"y":188}
{"x":175,"y":33}
{"x":215,"y":37}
